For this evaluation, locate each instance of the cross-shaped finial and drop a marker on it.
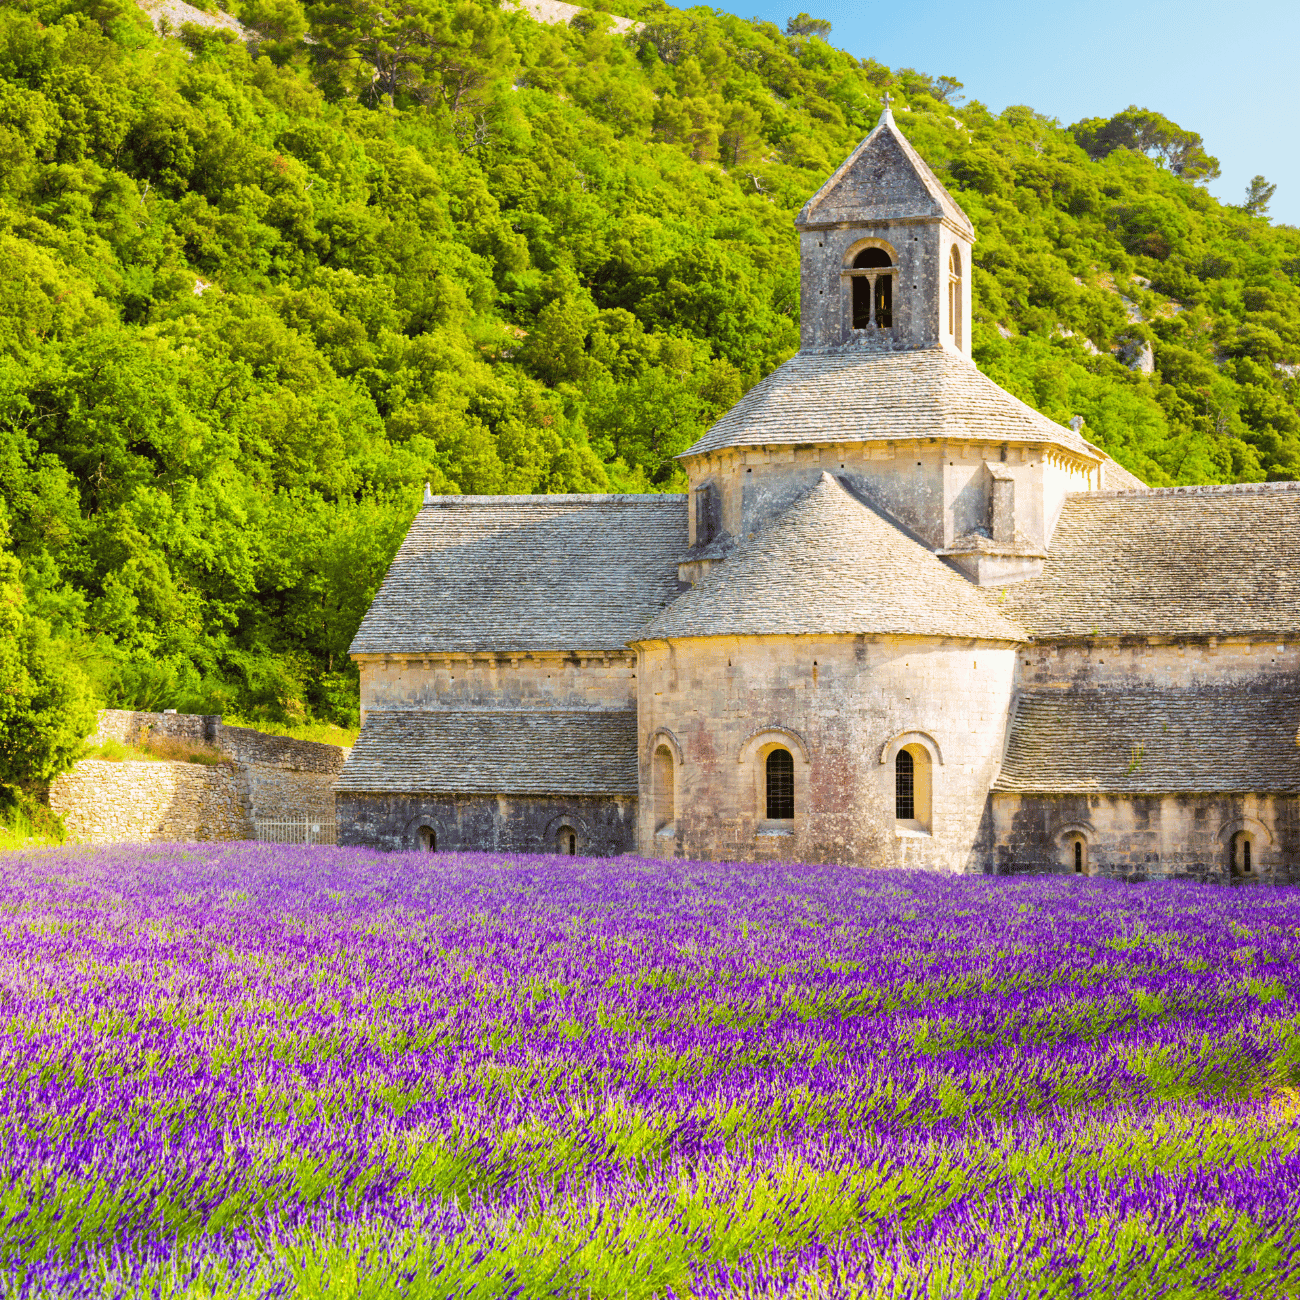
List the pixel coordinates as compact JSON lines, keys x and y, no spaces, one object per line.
{"x":888,"y":99}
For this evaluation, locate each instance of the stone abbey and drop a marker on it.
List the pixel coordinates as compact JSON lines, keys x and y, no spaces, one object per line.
{"x":899,"y":619}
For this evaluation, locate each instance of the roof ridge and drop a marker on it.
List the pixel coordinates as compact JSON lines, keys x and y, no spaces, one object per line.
{"x":530,"y":712}
{"x":1196,"y":490}
{"x":592,"y":498}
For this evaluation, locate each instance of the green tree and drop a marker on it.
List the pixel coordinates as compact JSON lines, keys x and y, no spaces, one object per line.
{"x":803,"y":25}
{"x":1259,"y":194}
{"x":46,"y":709}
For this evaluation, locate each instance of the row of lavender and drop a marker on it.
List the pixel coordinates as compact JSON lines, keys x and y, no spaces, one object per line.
{"x":255,"y":1070}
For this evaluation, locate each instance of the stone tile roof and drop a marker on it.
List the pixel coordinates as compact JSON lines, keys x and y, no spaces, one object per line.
{"x":494,"y":752}
{"x":859,"y":396}
{"x":1199,"y":561}
{"x":830,"y":563}
{"x":882,"y":179}
{"x":1117,"y":478}
{"x":1128,"y":741}
{"x":528,"y":573}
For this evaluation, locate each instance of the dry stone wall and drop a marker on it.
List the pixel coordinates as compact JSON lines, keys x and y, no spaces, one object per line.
{"x":263,"y":777}
{"x":141,"y":802}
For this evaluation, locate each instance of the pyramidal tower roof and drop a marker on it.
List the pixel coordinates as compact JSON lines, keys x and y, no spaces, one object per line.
{"x":882,"y":179}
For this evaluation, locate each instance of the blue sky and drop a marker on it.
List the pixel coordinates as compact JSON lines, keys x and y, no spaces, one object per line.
{"x":1228,"y":71}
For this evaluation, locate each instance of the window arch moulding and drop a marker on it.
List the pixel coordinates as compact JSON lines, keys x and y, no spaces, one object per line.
{"x":1066,"y":829}
{"x":1250,"y":825}
{"x":565,"y":819}
{"x":434,"y":820}
{"x":782,"y":736}
{"x":861,"y":245}
{"x":662,"y":736}
{"x":889,"y":750}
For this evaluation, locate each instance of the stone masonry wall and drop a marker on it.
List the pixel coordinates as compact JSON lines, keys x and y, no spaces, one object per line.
{"x":272,"y":777}
{"x":938,"y":488}
{"x":484,"y":823}
{"x":1213,"y":661}
{"x":544,"y":681}
{"x":142,"y":802}
{"x":837,"y":704}
{"x":1149,"y":837}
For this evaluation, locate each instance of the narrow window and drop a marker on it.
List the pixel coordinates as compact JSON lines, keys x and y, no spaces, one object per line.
{"x":1078,"y":857}
{"x":707,"y":515}
{"x":904,"y":786}
{"x":861,"y":302}
{"x":662,"y":776}
{"x":428,"y":838}
{"x":566,"y":841}
{"x":1239,"y":857}
{"x":573,"y":844}
{"x":954,"y":295}
{"x":885,"y":302}
{"x":780,"y":786}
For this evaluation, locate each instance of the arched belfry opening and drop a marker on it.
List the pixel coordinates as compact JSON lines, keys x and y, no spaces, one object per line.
{"x":871,"y":279}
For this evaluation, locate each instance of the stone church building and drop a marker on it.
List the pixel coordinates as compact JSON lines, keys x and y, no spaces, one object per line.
{"x":899,"y":619}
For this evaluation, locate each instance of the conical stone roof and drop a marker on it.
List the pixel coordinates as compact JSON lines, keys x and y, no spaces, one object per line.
{"x":830,"y":564}
{"x":848,"y":396}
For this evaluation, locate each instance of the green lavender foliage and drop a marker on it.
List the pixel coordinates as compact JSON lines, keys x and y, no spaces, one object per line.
{"x":254,"y":294}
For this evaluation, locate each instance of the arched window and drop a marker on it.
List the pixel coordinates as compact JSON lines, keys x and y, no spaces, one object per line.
{"x":428,"y":838}
{"x":662,"y":776}
{"x":780,"y":786}
{"x":873,"y":290}
{"x":566,"y":841}
{"x":912,"y":787}
{"x":904,"y":786}
{"x":954,"y":295}
{"x":1076,"y":855}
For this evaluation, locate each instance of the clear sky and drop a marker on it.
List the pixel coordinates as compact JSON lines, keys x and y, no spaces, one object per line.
{"x":1228,"y":71}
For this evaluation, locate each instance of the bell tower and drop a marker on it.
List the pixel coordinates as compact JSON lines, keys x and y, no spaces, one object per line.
{"x":885,"y":254}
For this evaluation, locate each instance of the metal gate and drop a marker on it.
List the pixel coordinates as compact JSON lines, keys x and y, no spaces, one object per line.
{"x":302,"y":831}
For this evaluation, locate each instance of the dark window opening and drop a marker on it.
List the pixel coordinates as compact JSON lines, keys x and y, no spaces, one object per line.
{"x":904,"y":786}
{"x":780,"y":786}
{"x":861,"y":302}
{"x":873,"y":295}
{"x":871,"y":257}
{"x":1078,"y":857}
{"x":428,"y":838}
{"x":573,"y":844}
{"x":1245,"y":857}
{"x":708,"y":522}
{"x":885,"y":302}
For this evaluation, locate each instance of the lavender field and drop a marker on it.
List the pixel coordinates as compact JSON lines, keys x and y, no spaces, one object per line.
{"x":247,"y":1070}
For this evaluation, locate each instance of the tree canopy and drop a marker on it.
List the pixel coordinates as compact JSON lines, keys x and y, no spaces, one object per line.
{"x":256,"y":290}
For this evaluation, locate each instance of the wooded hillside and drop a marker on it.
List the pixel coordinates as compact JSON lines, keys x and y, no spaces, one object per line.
{"x":253,"y":293}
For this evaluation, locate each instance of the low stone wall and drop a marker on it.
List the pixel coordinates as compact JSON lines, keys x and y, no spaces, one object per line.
{"x":115,"y":803}
{"x":130,"y":727}
{"x":273,"y":778}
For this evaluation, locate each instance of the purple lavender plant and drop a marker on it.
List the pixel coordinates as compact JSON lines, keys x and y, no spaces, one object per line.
{"x":247,"y":1069}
